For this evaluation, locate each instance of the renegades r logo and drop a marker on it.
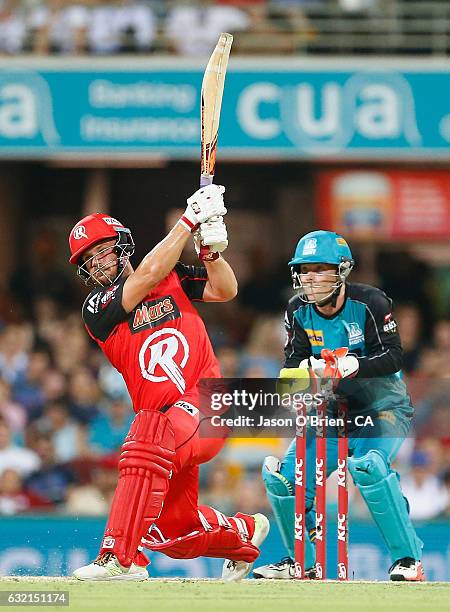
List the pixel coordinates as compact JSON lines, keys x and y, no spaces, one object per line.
{"x":153,"y":313}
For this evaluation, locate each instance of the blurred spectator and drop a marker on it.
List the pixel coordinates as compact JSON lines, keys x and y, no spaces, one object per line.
{"x":289,"y":18}
{"x":229,"y":359}
{"x":67,"y":436}
{"x":357,"y":5}
{"x":23,"y":460}
{"x":261,"y":31}
{"x":396,"y":271}
{"x":47,"y":315}
{"x":52,"y":479}
{"x":433,"y":414}
{"x":426,"y":495}
{"x":12,"y":412}
{"x":54,"y":385}
{"x":441,"y":335}
{"x":111,"y":382}
{"x":283,"y":26}
{"x":410,"y":328}
{"x":95,"y":497}
{"x":13,"y":498}
{"x":7,"y":313}
{"x":258,"y":366}
{"x":110,"y":427}
{"x":84,"y":395}
{"x":193,"y":29}
{"x":435,"y":448}
{"x":264,"y":348}
{"x":431,"y":364}
{"x":28,"y":387}
{"x":434,"y":360}
{"x":15,"y":341}
{"x":59,"y":26}
{"x":123,"y":26}
{"x":70,"y":347}
{"x":40,"y":273}
{"x":221,"y":487}
{"x":264,"y":292}
{"x":101,"y":34}
{"x":252,"y":496}
{"x":13,"y":30}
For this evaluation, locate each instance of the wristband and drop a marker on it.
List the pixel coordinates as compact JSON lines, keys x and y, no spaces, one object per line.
{"x":206,"y":255}
{"x":187,"y":223}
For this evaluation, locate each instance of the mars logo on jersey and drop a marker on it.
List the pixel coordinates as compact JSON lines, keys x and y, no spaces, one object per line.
{"x":163,"y":356}
{"x":154,"y":313}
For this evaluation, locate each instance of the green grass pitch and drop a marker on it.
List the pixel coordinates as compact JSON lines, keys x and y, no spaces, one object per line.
{"x":247,"y":596}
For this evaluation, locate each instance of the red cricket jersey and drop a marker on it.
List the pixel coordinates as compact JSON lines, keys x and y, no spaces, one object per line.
{"x":161,"y":348}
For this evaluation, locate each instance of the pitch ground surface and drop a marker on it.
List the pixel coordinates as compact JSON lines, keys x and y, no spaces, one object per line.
{"x":246,"y":596}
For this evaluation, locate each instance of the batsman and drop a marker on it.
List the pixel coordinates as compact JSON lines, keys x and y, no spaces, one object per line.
{"x":145,"y":323}
{"x":330,"y":313}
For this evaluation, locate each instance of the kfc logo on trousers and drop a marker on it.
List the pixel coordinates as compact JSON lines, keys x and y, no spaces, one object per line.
{"x":168,"y":355}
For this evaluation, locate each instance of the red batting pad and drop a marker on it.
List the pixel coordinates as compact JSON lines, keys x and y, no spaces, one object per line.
{"x":145,"y":466}
{"x":217,"y":536}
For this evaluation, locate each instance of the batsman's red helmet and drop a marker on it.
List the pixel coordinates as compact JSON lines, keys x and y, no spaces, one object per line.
{"x":90,"y":230}
{"x":94,"y":229}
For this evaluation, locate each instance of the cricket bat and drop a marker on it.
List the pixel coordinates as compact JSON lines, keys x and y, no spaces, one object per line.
{"x":211,"y":102}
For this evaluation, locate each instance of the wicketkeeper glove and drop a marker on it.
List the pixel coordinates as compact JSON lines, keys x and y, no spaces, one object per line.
{"x":205,"y":203}
{"x":316,"y":366}
{"x":211,"y":239}
{"x":333,"y":364}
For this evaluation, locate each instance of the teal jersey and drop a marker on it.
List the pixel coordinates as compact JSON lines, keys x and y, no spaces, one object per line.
{"x":366,"y":326}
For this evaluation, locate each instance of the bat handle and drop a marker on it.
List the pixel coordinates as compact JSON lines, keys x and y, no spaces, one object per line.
{"x":206,"y":179}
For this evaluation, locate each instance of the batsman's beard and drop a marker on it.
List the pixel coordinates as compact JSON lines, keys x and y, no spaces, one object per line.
{"x":104,"y":273}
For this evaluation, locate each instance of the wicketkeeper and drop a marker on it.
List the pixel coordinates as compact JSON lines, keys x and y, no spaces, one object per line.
{"x":146,"y":325}
{"x":329,"y":313}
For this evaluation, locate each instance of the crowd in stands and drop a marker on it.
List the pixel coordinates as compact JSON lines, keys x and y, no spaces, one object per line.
{"x":64,"y":411}
{"x":105,"y":27}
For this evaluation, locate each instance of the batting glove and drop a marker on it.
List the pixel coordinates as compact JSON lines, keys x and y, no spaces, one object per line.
{"x":205,"y":203}
{"x":211,"y":239}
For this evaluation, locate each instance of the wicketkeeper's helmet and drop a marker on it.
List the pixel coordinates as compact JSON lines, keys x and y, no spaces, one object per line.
{"x":322,"y":247}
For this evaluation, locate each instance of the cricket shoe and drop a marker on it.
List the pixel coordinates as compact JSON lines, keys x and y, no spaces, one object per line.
{"x":107,"y":567}
{"x":407,"y":569}
{"x":283,"y":570}
{"x":236,"y":570}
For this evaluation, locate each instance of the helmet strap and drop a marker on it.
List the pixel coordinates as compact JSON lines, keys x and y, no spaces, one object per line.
{"x":332,"y":299}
